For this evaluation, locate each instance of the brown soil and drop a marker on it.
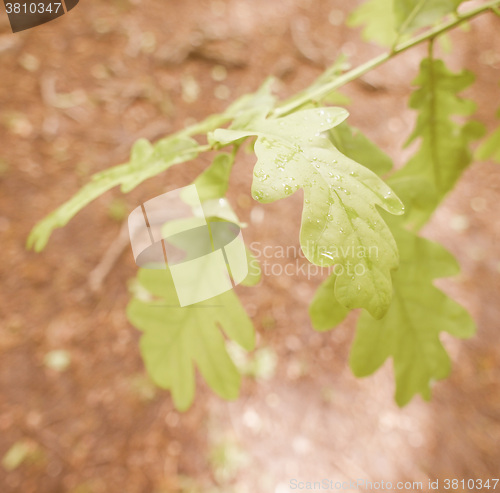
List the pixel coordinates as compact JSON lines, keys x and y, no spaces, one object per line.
{"x":75,"y":94}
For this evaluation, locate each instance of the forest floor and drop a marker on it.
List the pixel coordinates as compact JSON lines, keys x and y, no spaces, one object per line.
{"x":74,"y":96}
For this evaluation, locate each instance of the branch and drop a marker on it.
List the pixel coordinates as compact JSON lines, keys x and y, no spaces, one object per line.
{"x":308,"y":95}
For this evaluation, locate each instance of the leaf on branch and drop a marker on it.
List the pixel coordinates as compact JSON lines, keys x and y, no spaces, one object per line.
{"x":409,"y":332}
{"x":214,"y":181}
{"x":444,"y":151}
{"x":387,"y":21}
{"x":149,"y":160}
{"x":146,"y":161}
{"x":176,"y":339}
{"x":340,"y":222}
{"x":325,"y":311}
{"x":411,"y":15}
{"x":378,"y":19}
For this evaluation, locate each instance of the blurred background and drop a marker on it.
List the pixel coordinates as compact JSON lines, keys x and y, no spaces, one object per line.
{"x":77,"y":412}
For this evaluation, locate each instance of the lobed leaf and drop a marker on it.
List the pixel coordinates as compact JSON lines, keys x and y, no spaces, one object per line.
{"x":388,"y":21}
{"x":378,"y":19}
{"x":444,"y":151}
{"x":176,"y":339}
{"x":340,"y":222}
{"x":411,"y":15}
{"x":146,"y":161}
{"x":409,"y":332}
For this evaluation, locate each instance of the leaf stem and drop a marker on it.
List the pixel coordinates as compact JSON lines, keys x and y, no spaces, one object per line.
{"x":309,"y":94}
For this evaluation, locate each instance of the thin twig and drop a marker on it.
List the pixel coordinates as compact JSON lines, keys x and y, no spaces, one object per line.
{"x":113,"y":253}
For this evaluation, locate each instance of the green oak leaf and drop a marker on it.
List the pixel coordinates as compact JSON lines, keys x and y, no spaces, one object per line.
{"x":340,"y":222}
{"x":176,"y":339}
{"x":146,"y":160}
{"x":378,"y":19}
{"x":409,"y":331}
{"x":325,"y":311}
{"x":411,"y":15}
{"x":214,"y":181}
{"x":444,"y":151}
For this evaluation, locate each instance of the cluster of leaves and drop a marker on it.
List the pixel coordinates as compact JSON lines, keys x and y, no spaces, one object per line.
{"x":348,"y":207}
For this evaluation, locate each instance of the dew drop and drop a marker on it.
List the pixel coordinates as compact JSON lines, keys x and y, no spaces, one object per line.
{"x":328,"y":255}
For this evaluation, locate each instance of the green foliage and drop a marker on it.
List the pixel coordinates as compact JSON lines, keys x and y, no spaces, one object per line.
{"x":300,"y":146}
{"x":387,"y":21}
{"x":411,"y":14}
{"x":146,"y":161}
{"x":325,"y":310}
{"x":214,"y":181}
{"x":339,"y":218}
{"x":409,"y":332}
{"x":379,"y":20}
{"x":175,"y":339}
{"x":444,"y":150}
